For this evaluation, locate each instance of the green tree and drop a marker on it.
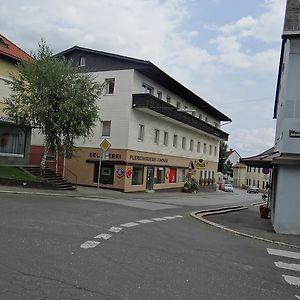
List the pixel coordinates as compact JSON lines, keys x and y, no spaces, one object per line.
{"x":51,"y":95}
{"x":222,"y":157}
{"x":228,"y":168}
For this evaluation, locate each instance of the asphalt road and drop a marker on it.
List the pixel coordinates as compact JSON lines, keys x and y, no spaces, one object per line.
{"x":48,"y":250}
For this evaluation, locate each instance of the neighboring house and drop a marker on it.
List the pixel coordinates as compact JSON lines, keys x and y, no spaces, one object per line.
{"x":239,"y":175}
{"x":233,"y":157}
{"x":14,"y":144}
{"x":284,"y":157}
{"x":158,"y":129}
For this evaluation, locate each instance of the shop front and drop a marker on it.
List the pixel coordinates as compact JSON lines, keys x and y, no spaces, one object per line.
{"x":128,"y":170}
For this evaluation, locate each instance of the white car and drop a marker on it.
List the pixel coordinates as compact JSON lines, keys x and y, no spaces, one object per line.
{"x":228,"y":188}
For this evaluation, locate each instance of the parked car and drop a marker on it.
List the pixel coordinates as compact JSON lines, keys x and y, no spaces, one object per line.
{"x":228,"y":188}
{"x":252,"y":189}
{"x":221,"y":186}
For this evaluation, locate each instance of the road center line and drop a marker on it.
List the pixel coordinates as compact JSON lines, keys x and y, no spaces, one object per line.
{"x":145,"y":221}
{"x":104,"y":236}
{"x":284,"y":253}
{"x":292,"y":267}
{"x":170,"y":217}
{"x":89,"y":244}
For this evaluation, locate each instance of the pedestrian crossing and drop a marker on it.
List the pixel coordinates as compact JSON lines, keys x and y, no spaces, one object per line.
{"x":289,"y":263}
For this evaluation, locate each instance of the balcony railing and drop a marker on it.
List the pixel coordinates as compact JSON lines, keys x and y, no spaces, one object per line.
{"x":153,"y":103}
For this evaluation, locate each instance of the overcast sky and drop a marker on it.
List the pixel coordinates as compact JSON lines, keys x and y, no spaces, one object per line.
{"x":226,"y":51}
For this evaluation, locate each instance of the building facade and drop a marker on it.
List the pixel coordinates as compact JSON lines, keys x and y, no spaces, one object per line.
{"x":14,"y":142}
{"x":157,"y":128}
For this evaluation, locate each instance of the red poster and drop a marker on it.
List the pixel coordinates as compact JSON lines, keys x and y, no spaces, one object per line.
{"x":172,"y":175}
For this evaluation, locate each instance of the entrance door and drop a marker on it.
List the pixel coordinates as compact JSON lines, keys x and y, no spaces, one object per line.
{"x":150,"y":178}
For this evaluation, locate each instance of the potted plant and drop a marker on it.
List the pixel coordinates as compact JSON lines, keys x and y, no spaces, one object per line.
{"x":264,"y":211}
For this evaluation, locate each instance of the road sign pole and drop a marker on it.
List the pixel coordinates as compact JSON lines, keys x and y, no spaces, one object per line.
{"x":99,"y":171}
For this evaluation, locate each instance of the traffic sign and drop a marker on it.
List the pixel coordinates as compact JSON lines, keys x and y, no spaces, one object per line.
{"x":105,"y":145}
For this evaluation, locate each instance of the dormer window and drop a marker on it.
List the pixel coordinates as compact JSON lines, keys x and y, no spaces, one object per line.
{"x":82,"y":61}
{"x":2,"y":44}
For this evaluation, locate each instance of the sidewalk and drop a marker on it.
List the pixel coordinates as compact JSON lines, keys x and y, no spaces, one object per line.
{"x":248,"y":221}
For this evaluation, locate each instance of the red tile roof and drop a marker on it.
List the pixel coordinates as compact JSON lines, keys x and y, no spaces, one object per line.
{"x":11,"y":50}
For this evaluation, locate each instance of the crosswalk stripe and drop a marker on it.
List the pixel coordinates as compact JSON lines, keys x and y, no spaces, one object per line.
{"x":129,"y":224}
{"x":179,"y":216}
{"x":293,"y":280}
{"x":145,"y":221}
{"x":115,"y":229}
{"x":284,"y":253}
{"x":170,"y":217}
{"x":89,"y":244}
{"x":292,"y":267}
{"x":159,"y":219}
{"x":104,"y":236}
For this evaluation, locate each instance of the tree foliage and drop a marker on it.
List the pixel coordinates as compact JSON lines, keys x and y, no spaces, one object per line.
{"x":222,"y":157}
{"x":49,"y":94}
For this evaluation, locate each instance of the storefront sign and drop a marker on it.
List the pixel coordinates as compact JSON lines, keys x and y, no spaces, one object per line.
{"x":120,"y":172}
{"x":128,"y":173}
{"x":294,"y":133}
{"x":111,"y":156}
{"x":200,"y":164}
{"x":148,"y":158}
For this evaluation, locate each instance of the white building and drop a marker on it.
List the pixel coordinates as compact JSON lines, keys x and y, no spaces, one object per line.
{"x":157,"y":128}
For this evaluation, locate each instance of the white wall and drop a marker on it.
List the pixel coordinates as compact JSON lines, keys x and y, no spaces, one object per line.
{"x":234,"y":158}
{"x":287,"y":206}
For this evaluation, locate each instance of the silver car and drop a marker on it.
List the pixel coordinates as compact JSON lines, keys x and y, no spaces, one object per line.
{"x":228,"y":188}
{"x":252,"y":189}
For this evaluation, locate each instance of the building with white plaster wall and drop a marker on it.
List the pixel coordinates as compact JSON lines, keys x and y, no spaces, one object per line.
{"x":157,"y":128}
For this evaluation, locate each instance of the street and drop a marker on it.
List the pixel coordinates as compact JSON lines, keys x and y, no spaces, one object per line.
{"x":131,"y":247}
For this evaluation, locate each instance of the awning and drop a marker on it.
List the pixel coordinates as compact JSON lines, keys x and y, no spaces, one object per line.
{"x":263,"y":160}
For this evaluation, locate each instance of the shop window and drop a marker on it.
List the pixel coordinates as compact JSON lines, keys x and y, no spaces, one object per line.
{"x":107,"y":173}
{"x":160,"y":175}
{"x":172,"y":175}
{"x":201,"y":174}
{"x":110,"y":86}
{"x":205,"y":174}
{"x":137,"y":175}
{"x":181,"y":175}
{"x":12,"y":141}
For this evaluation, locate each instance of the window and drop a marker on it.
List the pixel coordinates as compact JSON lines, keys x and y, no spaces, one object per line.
{"x":106,"y":126}
{"x":208,"y":174}
{"x":82,"y":61}
{"x":206,"y":119}
{"x":147,"y":89}
{"x":175,"y":138}
{"x":210,"y":149}
{"x":198,"y":147}
{"x":166,"y":138}
{"x":156,"y":136}
{"x":205,"y":174}
{"x":159,"y":94}
{"x":254,"y":170}
{"x":160,"y":175}
{"x":258,"y":170}
{"x":200,"y":116}
{"x":141,"y":132}
{"x":253,"y":182}
{"x":204,"y":148}
{"x":212,"y":174}
{"x":181,"y":174}
{"x":178,"y":105}
{"x":250,"y":169}
{"x":109,"y":85}
{"x":168,"y":99}
{"x":193,"y":113}
{"x":137,"y":175}
{"x":183,"y":142}
{"x":263,"y":185}
{"x":12,"y":141}
{"x":191,"y":145}
{"x":216,"y":151}
{"x":107,"y":173}
{"x":258,"y":183}
{"x":201,"y":174}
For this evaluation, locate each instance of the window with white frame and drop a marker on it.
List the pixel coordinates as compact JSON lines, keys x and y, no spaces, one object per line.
{"x":148,"y":89}
{"x":216,"y":151}
{"x":166,"y":138}
{"x":204,"y":148}
{"x":82,"y":61}
{"x":141,"y":132}
{"x":109,"y":86}
{"x":106,"y":127}
{"x":191,"y":145}
{"x":198,"y":147}
{"x":210,"y":149}
{"x":175,"y":139}
{"x":156,"y":136}
{"x":181,"y":174}
{"x":183,"y":142}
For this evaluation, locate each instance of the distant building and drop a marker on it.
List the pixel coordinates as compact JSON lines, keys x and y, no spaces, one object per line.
{"x":233,"y":156}
{"x":14,"y":144}
{"x":158,"y":129}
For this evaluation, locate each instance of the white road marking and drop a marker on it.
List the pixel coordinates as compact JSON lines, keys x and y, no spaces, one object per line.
{"x":298,"y":297}
{"x":292,"y":267}
{"x":284,"y":253}
{"x":293,"y":280}
{"x":170,"y":218}
{"x":89,"y":244}
{"x":159,"y":219}
{"x":115,"y":229}
{"x":145,"y":221}
{"x":179,"y":216}
{"x":104,"y":236}
{"x":130,"y":224}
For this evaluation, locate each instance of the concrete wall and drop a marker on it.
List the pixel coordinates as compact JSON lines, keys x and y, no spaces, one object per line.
{"x":287,"y":206}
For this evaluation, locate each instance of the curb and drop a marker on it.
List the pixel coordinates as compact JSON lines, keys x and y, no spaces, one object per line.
{"x":38,"y":193}
{"x":202,"y":213}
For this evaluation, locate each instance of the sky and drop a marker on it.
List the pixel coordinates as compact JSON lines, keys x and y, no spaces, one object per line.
{"x":226,"y":51}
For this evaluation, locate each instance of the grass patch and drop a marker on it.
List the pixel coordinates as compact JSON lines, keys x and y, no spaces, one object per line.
{"x":17,"y":174}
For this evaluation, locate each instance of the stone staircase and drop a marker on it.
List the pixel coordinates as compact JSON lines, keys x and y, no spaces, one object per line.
{"x":51,"y":177}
